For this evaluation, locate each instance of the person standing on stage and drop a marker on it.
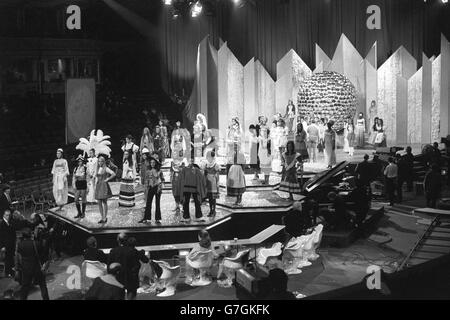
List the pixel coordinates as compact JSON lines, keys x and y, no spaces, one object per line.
{"x":212,"y":172}
{"x":312,"y":140}
{"x":144,"y":171}
{"x":234,"y":137}
{"x":374,"y":132}
{"x":91,"y":175}
{"x":158,"y":141}
{"x":380,"y":139}
{"x":391,"y":174}
{"x":290,"y":115}
{"x":253,"y":146}
{"x":102,"y":188}
{"x":236,"y":178}
{"x":290,"y":161}
{"x":131,"y":147}
{"x":175,"y":169}
{"x":322,"y":129}
{"x":60,"y":172}
{"x":192,"y":183}
{"x":155,"y":188}
{"x":300,"y":142}
{"x":165,"y":139}
{"x":264,"y":153}
{"x":178,"y":143}
{"x":351,"y":138}
{"x":79,"y":183}
{"x":330,"y":145}
{"x":126,"y":197}
{"x":146,"y":141}
{"x":360,"y":130}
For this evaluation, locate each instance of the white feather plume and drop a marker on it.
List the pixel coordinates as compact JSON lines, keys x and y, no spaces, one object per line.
{"x":97,"y":141}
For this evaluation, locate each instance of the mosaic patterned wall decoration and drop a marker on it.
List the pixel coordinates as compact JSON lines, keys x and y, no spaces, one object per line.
{"x":348,"y":62}
{"x":400,"y":65}
{"x":415,"y":108}
{"x":427,"y":68}
{"x":328,"y":95}
{"x":265,"y":90}
{"x":395,"y":87}
{"x":207,"y":86}
{"x":291,"y":72}
{"x":231,"y":88}
{"x":436,"y":100}
{"x":321,"y":57}
{"x":445,"y":86}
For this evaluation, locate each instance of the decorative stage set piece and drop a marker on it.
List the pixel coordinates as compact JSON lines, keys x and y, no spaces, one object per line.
{"x":413,"y":103}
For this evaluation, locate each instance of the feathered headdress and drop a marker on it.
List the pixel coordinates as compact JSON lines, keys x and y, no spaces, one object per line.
{"x":97,"y":141}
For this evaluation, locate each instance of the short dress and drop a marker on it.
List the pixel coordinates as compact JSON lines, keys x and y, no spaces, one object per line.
{"x":102,"y":189}
{"x":289,"y":181}
{"x":235,"y":181}
{"x":212,"y":182}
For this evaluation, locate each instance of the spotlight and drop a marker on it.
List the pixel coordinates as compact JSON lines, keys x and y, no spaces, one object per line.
{"x":196,"y":9}
{"x":444,"y":1}
{"x":168,"y":2}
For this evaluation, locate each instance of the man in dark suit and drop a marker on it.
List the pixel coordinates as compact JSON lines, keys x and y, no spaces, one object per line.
{"x":32,"y":255}
{"x":129,"y":258}
{"x":5,"y":199}
{"x":8,"y":227}
{"x":8,"y":241}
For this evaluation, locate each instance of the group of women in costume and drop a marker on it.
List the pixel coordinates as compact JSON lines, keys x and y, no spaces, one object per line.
{"x":282,"y":147}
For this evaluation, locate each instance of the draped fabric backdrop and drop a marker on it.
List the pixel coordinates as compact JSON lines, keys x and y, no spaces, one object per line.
{"x":270,"y":28}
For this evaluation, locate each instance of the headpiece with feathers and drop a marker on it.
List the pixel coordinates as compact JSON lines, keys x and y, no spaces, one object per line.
{"x":97,"y":141}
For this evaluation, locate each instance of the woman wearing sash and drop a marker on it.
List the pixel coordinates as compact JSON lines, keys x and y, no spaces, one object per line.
{"x":60,"y":172}
{"x":126,"y":197}
{"x":79,"y":182}
{"x":91,"y":173}
{"x":290,"y":161}
{"x":102,"y":188}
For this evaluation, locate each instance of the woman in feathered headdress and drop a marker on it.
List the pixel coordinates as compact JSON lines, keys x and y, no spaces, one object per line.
{"x":98,"y":143}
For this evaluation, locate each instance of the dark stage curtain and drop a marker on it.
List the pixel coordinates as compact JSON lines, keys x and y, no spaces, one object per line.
{"x":270,"y":28}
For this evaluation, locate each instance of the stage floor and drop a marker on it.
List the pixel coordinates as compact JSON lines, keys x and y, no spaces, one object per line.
{"x":119,"y":218}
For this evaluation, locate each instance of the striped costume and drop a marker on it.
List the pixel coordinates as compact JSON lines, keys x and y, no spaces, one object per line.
{"x":126,"y":197}
{"x":289,"y":182}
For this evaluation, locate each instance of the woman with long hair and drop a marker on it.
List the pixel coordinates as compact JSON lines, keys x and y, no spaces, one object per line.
{"x":127,"y":194}
{"x":158,"y":141}
{"x":155,"y":187}
{"x":374,"y":131}
{"x":102,"y":188}
{"x":236,"y":178}
{"x":264,"y":153}
{"x":330,"y":145}
{"x":360,"y":130}
{"x":290,"y":161}
{"x":351,"y":138}
{"x":146,"y":140}
{"x":60,"y":172}
{"x":380,"y":140}
{"x":165,"y":139}
{"x":300,"y":141}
